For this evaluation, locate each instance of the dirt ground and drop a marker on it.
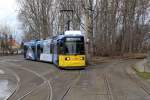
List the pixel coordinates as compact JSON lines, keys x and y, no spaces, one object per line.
{"x":109,"y":79}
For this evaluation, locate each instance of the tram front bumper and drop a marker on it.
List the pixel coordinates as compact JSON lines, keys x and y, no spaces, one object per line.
{"x":72,"y":61}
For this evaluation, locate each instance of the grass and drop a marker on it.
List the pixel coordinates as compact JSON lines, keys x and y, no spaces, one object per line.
{"x":144,"y":75}
{"x":135,"y":55}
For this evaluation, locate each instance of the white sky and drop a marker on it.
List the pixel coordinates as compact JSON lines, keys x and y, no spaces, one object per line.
{"x":8,"y":14}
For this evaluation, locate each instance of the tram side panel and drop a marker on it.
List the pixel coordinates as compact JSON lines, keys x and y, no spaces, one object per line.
{"x":46,"y":55}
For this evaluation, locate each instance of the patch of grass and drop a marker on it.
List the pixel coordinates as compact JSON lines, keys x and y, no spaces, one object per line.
{"x":144,"y":75}
{"x":135,"y":55}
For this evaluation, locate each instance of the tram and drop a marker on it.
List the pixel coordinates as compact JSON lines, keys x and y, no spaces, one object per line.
{"x":65,"y":51}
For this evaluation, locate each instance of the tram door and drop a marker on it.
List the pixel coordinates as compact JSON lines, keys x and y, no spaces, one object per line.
{"x":25,"y":51}
{"x":39,"y":51}
{"x":55,"y":54}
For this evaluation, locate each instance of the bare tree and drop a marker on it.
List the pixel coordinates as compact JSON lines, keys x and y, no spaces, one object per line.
{"x":111,"y":27}
{"x":37,"y":17}
{"x":5,"y":34}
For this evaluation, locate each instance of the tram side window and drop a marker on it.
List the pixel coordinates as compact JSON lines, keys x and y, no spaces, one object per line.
{"x":51,"y":48}
{"x":39,"y":50}
{"x":54,"y":49}
{"x":33,"y":48}
{"x":46,"y":49}
{"x":25,"y":50}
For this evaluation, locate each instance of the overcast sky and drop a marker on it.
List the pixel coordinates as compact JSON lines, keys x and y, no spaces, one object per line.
{"x":8,"y":15}
{"x":8,"y":12}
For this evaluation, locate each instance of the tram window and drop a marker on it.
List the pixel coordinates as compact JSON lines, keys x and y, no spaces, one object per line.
{"x":39,"y":49}
{"x":46,"y":48}
{"x":74,"y":47}
{"x":33,"y":48}
{"x":25,"y":51}
{"x":55,"y":49}
{"x":51,"y":48}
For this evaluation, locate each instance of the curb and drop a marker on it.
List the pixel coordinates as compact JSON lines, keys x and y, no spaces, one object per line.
{"x":139,"y":81}
{"x":142,"y":66}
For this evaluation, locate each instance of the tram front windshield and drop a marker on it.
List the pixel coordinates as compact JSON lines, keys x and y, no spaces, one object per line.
{"x":74,"y":46}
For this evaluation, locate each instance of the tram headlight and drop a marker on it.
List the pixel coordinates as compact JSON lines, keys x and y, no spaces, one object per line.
{"x":67,"y":58}
{"x":82,"y":58}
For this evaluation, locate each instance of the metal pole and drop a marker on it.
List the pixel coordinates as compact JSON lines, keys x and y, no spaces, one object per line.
{"x":68,"y":22}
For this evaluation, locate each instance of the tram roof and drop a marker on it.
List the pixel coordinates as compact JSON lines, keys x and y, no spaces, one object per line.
{"x":55,"y":38}
{"x":69,"y":34}
{"x":73,"y":33}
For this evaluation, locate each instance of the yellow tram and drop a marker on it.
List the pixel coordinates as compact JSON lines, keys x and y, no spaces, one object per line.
{"x":65,"y":51}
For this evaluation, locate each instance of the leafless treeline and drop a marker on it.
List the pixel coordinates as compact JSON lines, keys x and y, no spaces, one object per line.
{"x":112,"y":26}
{"x":121,"y":24}
{"x":36,"y":16}
{"x":5,"y":39}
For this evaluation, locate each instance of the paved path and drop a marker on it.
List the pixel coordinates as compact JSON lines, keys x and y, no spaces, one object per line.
{"x":106,"y":81}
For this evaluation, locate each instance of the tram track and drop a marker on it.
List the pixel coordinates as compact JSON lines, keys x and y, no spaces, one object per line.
{"x":108,"y":77}
{"x":125,"y":72}
{"x":71,"y":86}
{"x":17,"y":81}
{"x":28,"y":93}
{"x":107,"y":85}
{"x":138,"y":81}
{"x":108,"y":81}
{"x":53,"y":80}
{"x":105,"y":75}
{"x":46,"y":82}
